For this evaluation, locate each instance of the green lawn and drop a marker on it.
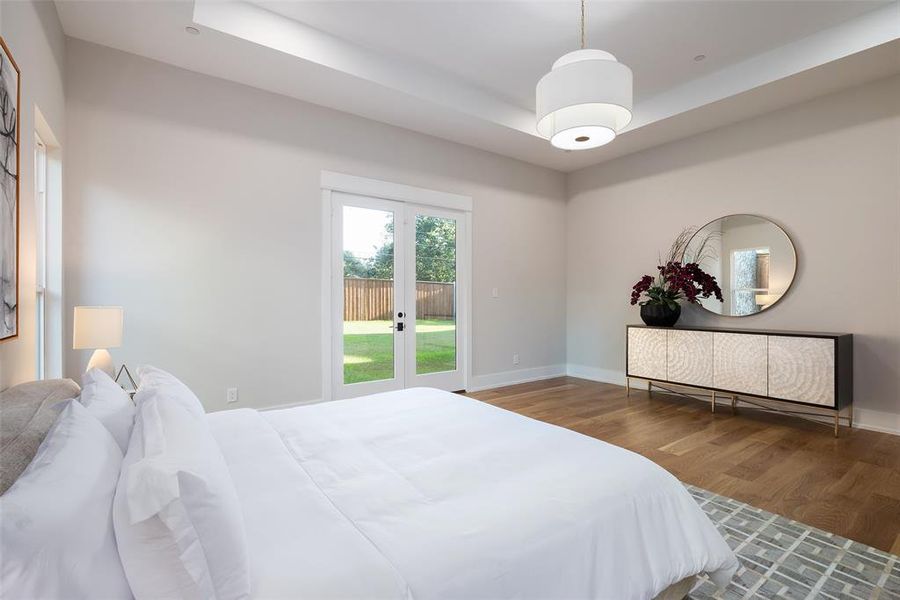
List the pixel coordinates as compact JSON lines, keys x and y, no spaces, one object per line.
{"x":369,"y":356}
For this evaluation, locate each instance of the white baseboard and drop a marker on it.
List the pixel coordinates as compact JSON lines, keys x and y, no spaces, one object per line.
{"x":495,"y":380}
{"x":478,"y":382}
{"x":863,"y":418}
{"x":876,"y":420}
{"x":595,"y":374}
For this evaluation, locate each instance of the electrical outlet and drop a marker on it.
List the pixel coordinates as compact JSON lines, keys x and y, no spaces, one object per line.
{"x":231,"y":395}
{"x":515,"y":359}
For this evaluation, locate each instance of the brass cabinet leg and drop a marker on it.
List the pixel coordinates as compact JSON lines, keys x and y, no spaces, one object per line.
{"x":714,"y":402}
{"x":733,"y":404}
{"x":649,"y":386}
{"x":628,"y":386}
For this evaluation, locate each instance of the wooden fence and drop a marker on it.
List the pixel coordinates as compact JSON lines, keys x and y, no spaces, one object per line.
{"x":373,"y":299}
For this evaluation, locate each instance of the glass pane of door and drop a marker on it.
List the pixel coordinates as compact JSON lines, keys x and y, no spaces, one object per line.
{"x":368,"y":324}
{"x":436,"y":294}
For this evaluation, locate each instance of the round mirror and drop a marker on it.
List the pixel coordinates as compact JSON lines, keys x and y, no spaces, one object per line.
{"x":752,"y":258}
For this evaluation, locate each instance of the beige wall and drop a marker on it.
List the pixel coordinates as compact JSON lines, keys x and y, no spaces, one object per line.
{"x":828,"y":171}
{"x":34,"y":35}
{"x":195,"y":204}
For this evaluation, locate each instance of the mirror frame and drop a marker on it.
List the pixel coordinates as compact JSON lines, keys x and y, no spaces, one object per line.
{"x":790,"y":241}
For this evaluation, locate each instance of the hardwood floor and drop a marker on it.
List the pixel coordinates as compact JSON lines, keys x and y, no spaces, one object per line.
{"x":849,"y":485}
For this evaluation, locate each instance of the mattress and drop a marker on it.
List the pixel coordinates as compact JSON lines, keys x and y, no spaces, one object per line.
{"x":425,"y":494}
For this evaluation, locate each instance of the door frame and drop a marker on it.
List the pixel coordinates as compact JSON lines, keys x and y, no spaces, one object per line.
{"x":442,"y":379}
{"x":410,"y":195}
{"x":339,"y":201}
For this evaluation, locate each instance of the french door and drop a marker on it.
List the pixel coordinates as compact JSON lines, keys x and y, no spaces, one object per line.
{"x":398,"y":303}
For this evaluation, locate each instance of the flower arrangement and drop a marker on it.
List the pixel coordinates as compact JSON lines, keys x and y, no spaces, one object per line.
{"x":679,"y":277}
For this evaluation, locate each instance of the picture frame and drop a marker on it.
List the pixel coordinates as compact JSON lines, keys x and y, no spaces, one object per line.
{"x":10,"y":151}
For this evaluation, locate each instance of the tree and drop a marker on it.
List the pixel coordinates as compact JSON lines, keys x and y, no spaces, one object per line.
{"x":435,"y":253}
{"x":382,"y":263}
{"x":435,"y":249}
{"x":355,"y":267}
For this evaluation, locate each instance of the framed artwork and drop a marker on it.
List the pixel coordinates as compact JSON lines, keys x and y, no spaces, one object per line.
{"x":9,"y":194}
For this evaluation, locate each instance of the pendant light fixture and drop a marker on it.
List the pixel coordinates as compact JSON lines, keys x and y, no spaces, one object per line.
{"x":585,"y":100}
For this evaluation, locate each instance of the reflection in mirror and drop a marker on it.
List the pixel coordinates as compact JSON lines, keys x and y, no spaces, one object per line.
{"x":752,"y":258}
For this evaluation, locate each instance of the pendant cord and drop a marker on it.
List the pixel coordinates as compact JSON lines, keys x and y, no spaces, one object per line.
{"x":582,"y":24}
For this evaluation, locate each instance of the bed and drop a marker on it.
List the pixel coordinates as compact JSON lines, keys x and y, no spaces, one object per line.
{"x":425,"y":494}
{"x":416,"y":494}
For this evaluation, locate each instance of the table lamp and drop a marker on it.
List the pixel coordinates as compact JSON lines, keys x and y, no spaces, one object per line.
{"x":98,"y":328}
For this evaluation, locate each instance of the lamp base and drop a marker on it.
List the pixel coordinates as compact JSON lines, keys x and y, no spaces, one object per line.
{"x":102,"y":359}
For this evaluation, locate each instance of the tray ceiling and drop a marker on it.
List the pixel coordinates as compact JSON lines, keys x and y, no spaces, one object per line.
{"x":466,"y":70}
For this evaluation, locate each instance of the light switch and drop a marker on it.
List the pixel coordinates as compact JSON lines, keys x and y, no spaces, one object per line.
{"x":495,"y":293}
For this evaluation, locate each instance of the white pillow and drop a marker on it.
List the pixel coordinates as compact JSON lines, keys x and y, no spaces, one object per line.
{"x":109,"y":403}
{"x":152,"y":381}
{"x":56,"y":530}
{"x":177,"y":516}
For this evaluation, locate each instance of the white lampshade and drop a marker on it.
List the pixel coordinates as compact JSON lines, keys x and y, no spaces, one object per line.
{"x":584,"y":101}
{"x":97,"y":327}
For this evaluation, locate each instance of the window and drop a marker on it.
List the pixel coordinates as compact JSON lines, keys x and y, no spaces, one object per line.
{"x":749,"y":277}
{"x":40,"y":217}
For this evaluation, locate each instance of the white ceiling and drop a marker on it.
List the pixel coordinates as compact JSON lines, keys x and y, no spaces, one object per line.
{"x":505,"y":47}
{"x":466,"y":70}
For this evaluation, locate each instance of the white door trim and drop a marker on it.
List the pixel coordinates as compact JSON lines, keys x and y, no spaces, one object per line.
{"x":340,"y":182}
{"x":351,"y":184}
{"x":327,"y":373}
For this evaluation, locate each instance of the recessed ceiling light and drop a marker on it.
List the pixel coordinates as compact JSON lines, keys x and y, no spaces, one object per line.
{"x":699,"y":57}
{"x":192,"y":30}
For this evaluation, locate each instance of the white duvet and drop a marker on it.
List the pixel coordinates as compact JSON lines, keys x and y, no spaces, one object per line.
{"x":425,"y":494}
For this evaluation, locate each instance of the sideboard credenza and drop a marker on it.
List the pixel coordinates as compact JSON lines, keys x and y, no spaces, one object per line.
{"x":814,"y":370}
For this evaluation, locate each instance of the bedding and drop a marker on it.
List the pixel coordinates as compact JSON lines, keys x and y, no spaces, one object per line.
{"x":177,"y":517}
{"x":56,"y":530}
{"x":426,"y":494}
{"x":298,"y":542}
{"x":152,"y":380}
{"x":109,"y":403}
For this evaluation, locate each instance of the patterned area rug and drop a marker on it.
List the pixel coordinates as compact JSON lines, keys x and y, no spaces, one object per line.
{"x":781,"y":558}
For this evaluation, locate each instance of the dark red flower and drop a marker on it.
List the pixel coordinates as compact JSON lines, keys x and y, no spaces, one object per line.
{"x":677,"y":281}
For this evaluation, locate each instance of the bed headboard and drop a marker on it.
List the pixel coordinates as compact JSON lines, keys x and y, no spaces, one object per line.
{"x":26,"y":414}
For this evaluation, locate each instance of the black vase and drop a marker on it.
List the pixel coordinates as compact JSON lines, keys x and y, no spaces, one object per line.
{"x":660,"y":315}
